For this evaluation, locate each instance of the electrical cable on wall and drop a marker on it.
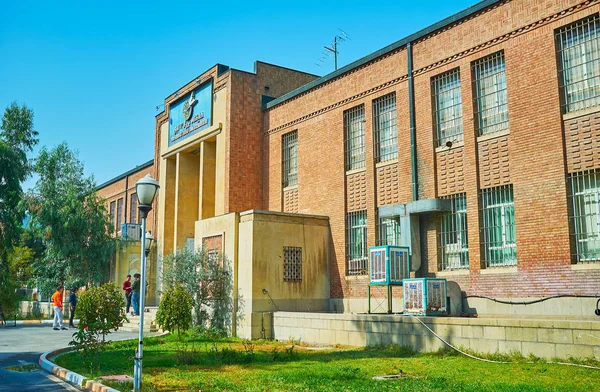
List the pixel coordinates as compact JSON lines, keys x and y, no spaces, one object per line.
{"x":490,"y":360}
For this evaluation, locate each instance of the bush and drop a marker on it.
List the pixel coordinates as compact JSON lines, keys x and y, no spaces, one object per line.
{"x":100,"y":310}
{"x":175,"y":310}
{"x":209,"y":280}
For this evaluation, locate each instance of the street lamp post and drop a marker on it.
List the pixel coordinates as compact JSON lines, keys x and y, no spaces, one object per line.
{"x":146,"y":190}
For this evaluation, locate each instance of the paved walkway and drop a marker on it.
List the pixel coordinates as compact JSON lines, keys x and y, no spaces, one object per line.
{"x":25,"y":343}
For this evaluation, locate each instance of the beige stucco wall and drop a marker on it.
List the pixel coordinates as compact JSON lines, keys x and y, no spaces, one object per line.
{"x":262,"y":237}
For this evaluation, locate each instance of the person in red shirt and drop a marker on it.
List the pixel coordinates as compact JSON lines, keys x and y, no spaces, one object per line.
{"x":127,"y":288}
{"x":58,"y":304}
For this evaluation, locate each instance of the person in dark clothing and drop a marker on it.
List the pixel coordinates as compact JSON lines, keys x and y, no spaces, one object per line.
{"x":72,"y":306}
{"x":135,"y":294}
{"x":127,"y":288}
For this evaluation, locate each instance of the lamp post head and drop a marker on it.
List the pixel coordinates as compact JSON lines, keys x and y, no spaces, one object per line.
{"x":146,"y":190}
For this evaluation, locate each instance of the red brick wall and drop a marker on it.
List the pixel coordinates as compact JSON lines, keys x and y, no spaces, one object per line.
{"x":531,"y":157}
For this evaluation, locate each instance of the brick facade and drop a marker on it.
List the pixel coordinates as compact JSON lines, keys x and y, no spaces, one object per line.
{"x":535,"y":155}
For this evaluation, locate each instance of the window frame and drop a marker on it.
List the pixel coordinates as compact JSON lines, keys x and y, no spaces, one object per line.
{"x":499,"y":94}
{"x":289,"y":159}
{"x":357,"y":252}
{"x":292,"y":264}
{"x":133,"y":211}
{"x":383,"y":235}
{"x":385,"y":128}
{"x":578,"y":197}
{"x":457,"y":221}
{"x":496,"y":193}
{"x":354,"y":137}
{"x":441,"y":84}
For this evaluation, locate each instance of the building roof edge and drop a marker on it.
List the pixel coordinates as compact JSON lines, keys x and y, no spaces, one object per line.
{"x":123,"y":175}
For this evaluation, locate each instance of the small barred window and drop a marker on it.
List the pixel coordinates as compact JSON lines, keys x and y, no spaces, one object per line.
{"x":292,"y":264}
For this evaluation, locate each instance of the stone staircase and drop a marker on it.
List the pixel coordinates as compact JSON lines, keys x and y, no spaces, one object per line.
{"x":133,"y":325}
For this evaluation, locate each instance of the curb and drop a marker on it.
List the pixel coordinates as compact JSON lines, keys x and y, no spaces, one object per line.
{"x":20,"y":322}
{"x":72,"y":377}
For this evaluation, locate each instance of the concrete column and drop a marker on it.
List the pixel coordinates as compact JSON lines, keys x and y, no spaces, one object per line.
{"x":208,"y":154}
{"x":186,"y":197}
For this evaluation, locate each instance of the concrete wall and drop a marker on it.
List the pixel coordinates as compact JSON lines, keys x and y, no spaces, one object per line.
{"x":542,"y":338}
{"x":262,"y":236}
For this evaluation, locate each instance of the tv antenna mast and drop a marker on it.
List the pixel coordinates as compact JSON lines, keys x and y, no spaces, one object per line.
{"x":333,"y":48}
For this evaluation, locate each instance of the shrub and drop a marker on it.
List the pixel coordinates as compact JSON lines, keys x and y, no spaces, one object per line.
{"x":100,"y":310}
{"x":175,"y":310}
{"x":208,"y":278}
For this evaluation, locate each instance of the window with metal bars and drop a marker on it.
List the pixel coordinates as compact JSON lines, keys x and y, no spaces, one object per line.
{"x":585,"y":219}
{"x":489,"y":77}
{"x":499,"y":229}
{"x":354,"y":131}
{"x":357,"y":254}
{"x":292,"y":264}
{"x":112,"y":213}
{"x":289,"y":144}
{"x":448,"y":106}
{"x":578,"y":47}
{"x":119,"y":213}
{"x":453,"y":234}
{"x":385,"y":129}
{"x":388,"y":230}
{"x":133,"y":211}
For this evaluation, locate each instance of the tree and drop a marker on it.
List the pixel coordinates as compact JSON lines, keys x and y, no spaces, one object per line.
{"x":17,"y":138}
{"x":175,"y":310}
{"x":72,"y":221}
{"x":206,"y":276}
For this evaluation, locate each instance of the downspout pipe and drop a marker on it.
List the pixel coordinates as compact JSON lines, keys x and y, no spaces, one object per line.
{"x":413,"y":127}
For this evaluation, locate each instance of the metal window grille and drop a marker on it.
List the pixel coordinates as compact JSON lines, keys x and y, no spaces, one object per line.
{"x":585,"y":220}
{"x":133,"y":211}
{"x":112,"y":213}
{"x":491,"y":97}
{"x":292,"y":264}
{"x":579,"y":63}
{"x":448,"y":106}
{"x":213,"y":256}
{"x":385,"y":128}
{"x":357,"y":254}
{"x":453,"y":234}
{"x":388,"y":230}
{"x":119,"y":213}
{"x":290,"y":158}
{"x":354,"y":131}
{"x":499,"y":229}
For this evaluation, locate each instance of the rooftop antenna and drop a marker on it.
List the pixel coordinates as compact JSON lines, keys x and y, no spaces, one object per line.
{"x":333,"y":48}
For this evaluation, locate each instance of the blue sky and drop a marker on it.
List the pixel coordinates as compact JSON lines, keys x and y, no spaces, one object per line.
{"x":94,"y":74}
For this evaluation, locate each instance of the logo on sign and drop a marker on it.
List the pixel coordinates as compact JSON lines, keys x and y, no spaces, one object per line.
{"x":412,"y":286}
{"x":436,"y":285}
{"x":188,"y":107}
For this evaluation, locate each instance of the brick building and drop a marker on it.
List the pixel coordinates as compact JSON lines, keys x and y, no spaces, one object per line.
{"x":494,"y":109}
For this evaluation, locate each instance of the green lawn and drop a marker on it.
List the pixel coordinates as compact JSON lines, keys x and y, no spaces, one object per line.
{"x":201,"y":363}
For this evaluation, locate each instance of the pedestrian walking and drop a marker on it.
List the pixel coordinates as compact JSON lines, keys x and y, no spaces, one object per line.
{"x":135,"y":294}
{"x":127,"y":289}
{"x":72,"y":306}
{"x":58,"y":303}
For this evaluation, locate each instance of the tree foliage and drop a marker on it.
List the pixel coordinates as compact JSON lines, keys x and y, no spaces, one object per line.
{"x":207,"y":277}
{"x":17,"y":138}
{"x":175,"y":310}
{"x":72,"y":221}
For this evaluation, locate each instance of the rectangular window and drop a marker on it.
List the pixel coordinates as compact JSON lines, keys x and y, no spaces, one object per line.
{"x":579,"y":63}
{"x":134,"y":210}
{"x":388,"y":230}
{"x":384,"y":126}
{"x":491,"y":97}
{"x":453,"y":235}
{"x":354,"y":131}
{"x":119,"y":213}
{"x":289,"y":143}
{"x":356,"y":243}
{"x":112,"y":213}
{"x":499,"y":232}
{"x":292,"y":264}
{"x":585,"y":191}
{"x":448,"y":107}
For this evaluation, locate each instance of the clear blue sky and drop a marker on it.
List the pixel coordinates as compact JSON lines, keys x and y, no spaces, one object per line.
{"x":94,"y":74}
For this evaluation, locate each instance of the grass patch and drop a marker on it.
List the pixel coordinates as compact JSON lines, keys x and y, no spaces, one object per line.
{"x":201,"y":362}
{"x":30,"y":367}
